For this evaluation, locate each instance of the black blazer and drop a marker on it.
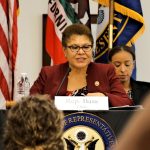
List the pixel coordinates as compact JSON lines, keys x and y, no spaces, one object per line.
{"x":140,"y":90}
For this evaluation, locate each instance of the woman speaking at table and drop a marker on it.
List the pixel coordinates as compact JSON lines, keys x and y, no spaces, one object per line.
{"x":79,"y":76}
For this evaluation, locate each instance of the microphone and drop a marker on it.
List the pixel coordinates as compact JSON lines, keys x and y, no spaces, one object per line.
{"x":69,"y":69}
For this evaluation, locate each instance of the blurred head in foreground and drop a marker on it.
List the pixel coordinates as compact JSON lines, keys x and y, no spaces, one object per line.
{"x":34,"y":124}
{"x":136,"y":134}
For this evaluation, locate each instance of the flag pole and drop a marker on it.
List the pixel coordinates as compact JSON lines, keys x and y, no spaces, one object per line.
{"x":111,"y":16}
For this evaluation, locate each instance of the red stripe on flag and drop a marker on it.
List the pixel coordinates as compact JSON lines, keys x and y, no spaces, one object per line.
{"x":53,"y":44}
{"x":4,"y":6}
{"x":14,"y":34}
{"x":4,"y":43}
{"x":4,"y":86}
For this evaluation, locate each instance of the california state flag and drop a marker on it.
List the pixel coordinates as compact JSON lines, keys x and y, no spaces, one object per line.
{"x":62,"y":13}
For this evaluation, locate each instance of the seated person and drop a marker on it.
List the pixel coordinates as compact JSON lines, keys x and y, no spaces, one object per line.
{"x":123,"y":58}
{"x":79,"y":76}
{"x":34,"y":124}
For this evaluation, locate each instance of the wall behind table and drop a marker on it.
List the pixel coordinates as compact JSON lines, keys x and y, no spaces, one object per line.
{"x":30,"y":40}
{"x":143,"y":47}
{"x":30,"y":37}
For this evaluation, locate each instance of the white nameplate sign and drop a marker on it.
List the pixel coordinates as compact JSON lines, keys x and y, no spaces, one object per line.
{"x":81,"y":103}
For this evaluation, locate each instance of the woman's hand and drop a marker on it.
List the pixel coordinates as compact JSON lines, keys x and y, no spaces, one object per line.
{"x":95,"y":94}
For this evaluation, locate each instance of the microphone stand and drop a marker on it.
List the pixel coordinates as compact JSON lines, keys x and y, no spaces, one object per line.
{"x":69,"y":69}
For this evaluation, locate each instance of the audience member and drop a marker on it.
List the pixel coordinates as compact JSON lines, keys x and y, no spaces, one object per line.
{"x":34,"y":124}
{"x":123,"y":58}
{"x":79,"y":76}
{"x":136,"y":135}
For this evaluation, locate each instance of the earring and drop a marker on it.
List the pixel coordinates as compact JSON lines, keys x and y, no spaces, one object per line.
{"x":93,"y":55}
{"x":65,"y":55}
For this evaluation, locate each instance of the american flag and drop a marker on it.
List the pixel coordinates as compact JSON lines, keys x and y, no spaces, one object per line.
{"x":8,"y":48}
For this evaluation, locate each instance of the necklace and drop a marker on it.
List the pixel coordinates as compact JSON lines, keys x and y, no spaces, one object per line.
{"x":76,"y":81}
{"x":130,"y":94}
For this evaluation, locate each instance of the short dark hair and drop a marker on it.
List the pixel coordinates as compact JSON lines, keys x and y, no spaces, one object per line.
{"x":34,"y":122}
{"x":117,"y":49}
{"x":78,"y":29}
